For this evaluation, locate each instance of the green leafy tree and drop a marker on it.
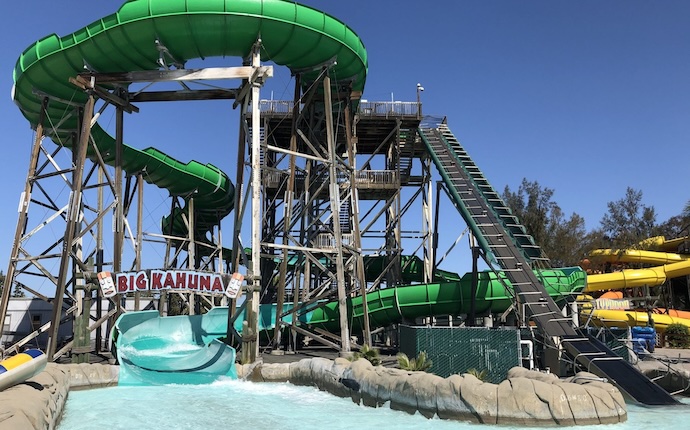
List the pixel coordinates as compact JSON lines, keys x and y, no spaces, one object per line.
{"x":560,"y":237}
{"x":17,"y":291}
{"x":676,"y":226}
{"x":628,"y":221}
{"x":677,"y":336}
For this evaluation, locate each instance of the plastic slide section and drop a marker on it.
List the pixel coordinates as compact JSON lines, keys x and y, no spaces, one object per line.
{"x":672,"y":266}
{"x":660,"y":243}
{"x":630,"y":278}
{"x":397,"y":304}
{"x":293,"y":35}
{"x":20,"y":367}
{"x":630,"y":318}
{"x":185,"y":349}
{"x":635,"y":256}
{"x":678,"y":265}
{"x":405,"y":303}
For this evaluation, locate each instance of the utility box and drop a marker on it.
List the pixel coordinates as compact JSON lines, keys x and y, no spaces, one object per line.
{"x":455,"y":350}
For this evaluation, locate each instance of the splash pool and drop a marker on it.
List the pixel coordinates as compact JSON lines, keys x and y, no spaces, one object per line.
{"x":239,"y":404}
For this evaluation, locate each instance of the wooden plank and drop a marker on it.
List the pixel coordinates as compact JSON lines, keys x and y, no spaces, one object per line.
{"x":213,"y":73}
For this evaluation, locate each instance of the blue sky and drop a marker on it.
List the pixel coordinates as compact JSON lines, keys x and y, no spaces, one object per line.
{"x":585,"y":97}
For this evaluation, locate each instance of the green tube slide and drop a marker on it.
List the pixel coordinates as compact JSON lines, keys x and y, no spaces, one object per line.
{"x":293,"y":35}
{"x":406,"y":303}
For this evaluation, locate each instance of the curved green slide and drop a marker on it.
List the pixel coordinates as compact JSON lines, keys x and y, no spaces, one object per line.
{"x":291,"y":34}
{"x":405,"y":303}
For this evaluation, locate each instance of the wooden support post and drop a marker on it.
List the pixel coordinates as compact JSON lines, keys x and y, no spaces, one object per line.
{"x":287,"y":221}
{"x":23,"y":215}
{"x":334,"y":191}
{"x":139,"y":239}
{"x":250,"y":342}
{"x":73,"y":213}
{"x":354,"y":197}
{"x":191,"y":245}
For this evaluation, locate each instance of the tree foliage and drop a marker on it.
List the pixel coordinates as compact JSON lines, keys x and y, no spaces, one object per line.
{"x":629,"y":221}
{"x":561,"y":238}
{"x":16,"y":292}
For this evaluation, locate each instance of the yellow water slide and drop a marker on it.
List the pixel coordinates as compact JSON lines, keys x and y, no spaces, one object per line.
{"x":670,"y":265}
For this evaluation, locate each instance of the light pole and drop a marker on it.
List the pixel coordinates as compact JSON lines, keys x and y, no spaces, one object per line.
{"x":420,"y":88}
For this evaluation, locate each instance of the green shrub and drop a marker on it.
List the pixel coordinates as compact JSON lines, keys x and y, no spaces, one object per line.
{"x":368,"y":353}
{"x":677,"y":336}
{"x":420,"y":363}
{"x":479,"y":374}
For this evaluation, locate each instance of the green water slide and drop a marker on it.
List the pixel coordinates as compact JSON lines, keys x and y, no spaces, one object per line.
{"x":293,"y":35}
{"x":406,"y":303}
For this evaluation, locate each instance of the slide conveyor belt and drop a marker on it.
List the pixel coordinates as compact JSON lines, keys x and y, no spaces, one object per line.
{"x":507,"y":249}
{"x":595,"y":357}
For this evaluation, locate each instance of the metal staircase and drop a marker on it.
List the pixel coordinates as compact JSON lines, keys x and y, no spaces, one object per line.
{"x":507,"y":248}
{"x":497,"y":243}
{"x":523,"y":241}
{"x":407,"y":155}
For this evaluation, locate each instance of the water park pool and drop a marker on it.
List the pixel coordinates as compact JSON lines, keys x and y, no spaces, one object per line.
{"x":227,"y":402}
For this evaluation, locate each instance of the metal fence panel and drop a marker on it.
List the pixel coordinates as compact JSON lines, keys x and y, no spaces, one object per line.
{"x":459,"y":349}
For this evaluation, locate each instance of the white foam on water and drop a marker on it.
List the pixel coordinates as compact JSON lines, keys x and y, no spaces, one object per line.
{"x":172,"y":349}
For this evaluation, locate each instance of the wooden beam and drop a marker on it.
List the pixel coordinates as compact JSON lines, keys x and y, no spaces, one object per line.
{"x":214,"y":73}
{"x":85,"y":85}
{"x":184,"y":95}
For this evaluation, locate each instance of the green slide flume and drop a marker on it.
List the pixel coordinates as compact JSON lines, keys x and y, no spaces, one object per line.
{"x":405,"y":303}
{"x":293,"y":35}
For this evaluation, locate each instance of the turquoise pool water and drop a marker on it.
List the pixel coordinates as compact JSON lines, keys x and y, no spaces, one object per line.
{"x":228,"y":404}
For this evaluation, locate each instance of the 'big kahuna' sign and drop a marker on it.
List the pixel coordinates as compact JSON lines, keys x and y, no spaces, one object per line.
{"x":178,"y":280}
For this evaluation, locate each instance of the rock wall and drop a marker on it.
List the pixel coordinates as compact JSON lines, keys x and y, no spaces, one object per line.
{"x":526,"y":398}
{"x":38,"y":402}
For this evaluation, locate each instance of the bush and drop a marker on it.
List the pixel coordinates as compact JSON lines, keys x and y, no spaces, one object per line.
{"x":368,"y":353}
{"x":677,"y":336}
{"x":479,"y":374}
{"x":420,"y":363}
